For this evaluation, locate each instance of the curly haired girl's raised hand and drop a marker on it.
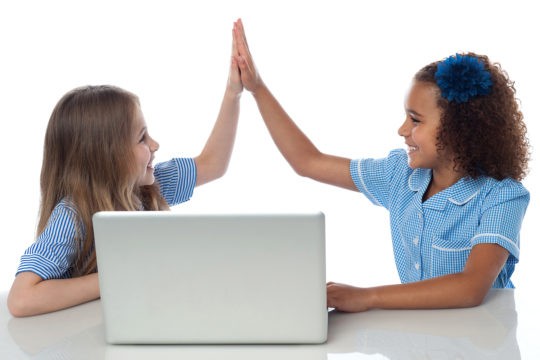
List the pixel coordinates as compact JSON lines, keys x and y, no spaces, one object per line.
{"x":293,"y":144}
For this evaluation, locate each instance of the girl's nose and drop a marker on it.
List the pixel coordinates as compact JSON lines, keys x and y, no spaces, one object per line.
{"x":154,"y":146}
{"x":403,"y":130}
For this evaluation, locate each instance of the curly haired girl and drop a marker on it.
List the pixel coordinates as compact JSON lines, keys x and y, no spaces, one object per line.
{"x":454,"y":196}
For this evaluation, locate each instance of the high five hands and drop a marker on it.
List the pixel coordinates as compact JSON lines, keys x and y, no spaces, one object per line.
{"x":241,"y":57}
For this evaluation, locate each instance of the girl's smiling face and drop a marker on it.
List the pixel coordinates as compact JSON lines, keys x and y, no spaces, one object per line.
{"x":144,"y":148}
{"x":421,"y":127}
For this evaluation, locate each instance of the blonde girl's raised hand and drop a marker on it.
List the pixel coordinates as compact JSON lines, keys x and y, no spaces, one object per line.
{"x":214,"y":159}
{"x":234,"y":82}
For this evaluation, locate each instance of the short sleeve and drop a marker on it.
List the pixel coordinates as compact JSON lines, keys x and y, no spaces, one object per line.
{"x":374,"y":177}
{"x":502,"y":215}
{"x":52,"y":254}
{"x":176,"y":179}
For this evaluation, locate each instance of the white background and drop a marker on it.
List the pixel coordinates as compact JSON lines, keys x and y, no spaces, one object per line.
{"x":340,"y":68}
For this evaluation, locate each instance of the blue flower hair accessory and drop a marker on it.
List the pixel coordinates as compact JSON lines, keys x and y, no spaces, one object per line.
{"x":462,"y":77}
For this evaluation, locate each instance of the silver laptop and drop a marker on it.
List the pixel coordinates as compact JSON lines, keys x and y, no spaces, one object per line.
{"x":173,"y":278}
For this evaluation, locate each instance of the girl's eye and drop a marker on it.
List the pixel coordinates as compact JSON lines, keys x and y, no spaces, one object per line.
{"x":414,"y":120}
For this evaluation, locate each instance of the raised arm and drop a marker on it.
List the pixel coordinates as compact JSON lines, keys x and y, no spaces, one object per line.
{"x":213,"y":161}
{"x":31,"y":295}
{"x":465,"y":289}
{"x":293,"y":144}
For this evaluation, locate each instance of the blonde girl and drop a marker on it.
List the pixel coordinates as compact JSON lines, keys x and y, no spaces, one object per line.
{"x":98,"y":155}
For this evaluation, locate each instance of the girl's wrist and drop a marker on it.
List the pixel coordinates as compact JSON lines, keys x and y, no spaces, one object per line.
{"x":232,"y":93}
{"x":372,"y":298}
{"x":258,"y":89}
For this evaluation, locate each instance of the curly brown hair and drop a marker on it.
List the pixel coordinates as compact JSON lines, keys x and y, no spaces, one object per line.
{"x":487,"y":133}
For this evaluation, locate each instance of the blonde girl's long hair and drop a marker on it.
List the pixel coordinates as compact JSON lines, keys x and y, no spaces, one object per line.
{"x":88,"y":159}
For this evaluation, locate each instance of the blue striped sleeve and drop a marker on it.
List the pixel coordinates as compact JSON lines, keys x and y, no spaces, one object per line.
{"x":52,"y":254}
{"x":176,"y":178}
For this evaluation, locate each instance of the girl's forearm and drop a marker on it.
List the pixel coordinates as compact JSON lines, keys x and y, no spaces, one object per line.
{"x":450,"y":291}
{"x":293,"y":144}
{"x":214,"y":159}
{"x":297,"y":148}
{"x":30,"y":295}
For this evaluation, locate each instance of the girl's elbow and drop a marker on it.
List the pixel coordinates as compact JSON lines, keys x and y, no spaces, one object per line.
{"x":24,"y":299}
{"x":479,"y":299}
{"x":473,"y":298}
{"x":303,"y":169}
{"x":216,"y":172}
{"x":308,"y":166}
{"x":209,"y":170}
{"x":472,"y":301}
{"x":221,"y":171}
{"x":19,"y":306}
{"x":17,"y":312}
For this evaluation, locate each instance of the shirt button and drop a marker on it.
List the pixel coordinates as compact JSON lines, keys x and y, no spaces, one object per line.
{"x":417,"y":266}
{"x":415,"y":241}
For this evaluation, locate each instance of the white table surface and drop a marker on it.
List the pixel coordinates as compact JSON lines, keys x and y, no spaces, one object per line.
{"x":504,"y":327}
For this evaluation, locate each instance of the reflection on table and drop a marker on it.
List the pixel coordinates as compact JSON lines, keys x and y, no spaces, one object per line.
{"x":484,"y":332}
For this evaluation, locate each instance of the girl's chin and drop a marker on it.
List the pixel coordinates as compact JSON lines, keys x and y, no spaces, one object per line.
{"x":147,"y":180}
{"x":413,"y":164}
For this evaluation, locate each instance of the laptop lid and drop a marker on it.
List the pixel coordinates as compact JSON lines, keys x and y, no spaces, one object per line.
{"x":167,"y":277}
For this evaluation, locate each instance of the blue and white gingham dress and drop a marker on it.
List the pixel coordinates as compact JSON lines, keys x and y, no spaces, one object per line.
{"x":435,"y":237}
{"x":52,"y":254}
